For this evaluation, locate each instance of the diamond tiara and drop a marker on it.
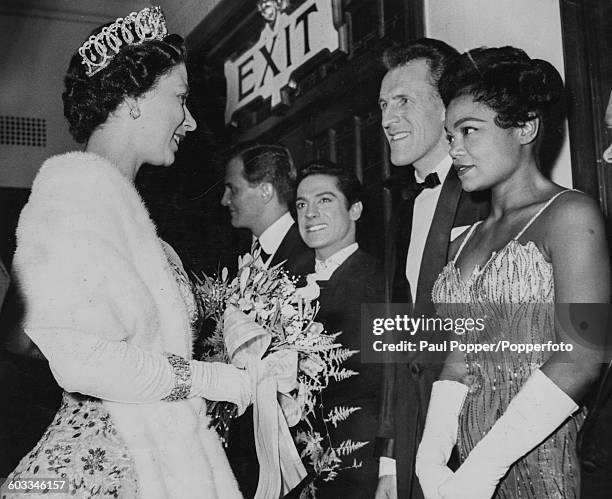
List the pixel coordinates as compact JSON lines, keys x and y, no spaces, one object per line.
{"x":134,"y":29}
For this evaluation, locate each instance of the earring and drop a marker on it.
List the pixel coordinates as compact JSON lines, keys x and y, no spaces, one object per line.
{"x":135,"y":112}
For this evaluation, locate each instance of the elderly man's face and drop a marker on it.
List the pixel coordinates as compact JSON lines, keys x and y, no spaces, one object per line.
{"x":412,"y":115}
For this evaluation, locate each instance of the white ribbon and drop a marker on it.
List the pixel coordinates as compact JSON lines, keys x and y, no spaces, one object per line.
{"x":274,"y":410}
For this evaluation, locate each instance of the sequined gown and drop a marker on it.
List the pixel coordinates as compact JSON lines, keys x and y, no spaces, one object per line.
{"x":82,"y":445}
{"x":515,"y":291}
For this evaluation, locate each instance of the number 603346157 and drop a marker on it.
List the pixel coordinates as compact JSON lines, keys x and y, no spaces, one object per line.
{"x":25,"y":485}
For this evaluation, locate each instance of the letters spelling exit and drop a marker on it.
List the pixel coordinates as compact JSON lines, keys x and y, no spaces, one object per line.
{"x":266,"y":68}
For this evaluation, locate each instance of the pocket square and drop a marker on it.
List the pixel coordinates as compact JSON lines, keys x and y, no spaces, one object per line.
{"x":457,"y":231}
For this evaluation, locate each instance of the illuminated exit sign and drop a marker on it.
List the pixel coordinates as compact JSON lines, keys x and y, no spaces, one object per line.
{"x":263,"y":71}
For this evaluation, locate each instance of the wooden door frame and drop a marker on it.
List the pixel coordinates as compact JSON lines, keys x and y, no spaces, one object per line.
{"x":588,"y":87}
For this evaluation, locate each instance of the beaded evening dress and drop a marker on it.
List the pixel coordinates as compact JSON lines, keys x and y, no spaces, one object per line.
{"x":514,"y":290}
{"x":82,"y":445}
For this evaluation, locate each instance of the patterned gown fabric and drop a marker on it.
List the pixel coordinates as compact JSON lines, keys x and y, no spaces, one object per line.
{"x":514,"y":290}
{"x":83,"y":446}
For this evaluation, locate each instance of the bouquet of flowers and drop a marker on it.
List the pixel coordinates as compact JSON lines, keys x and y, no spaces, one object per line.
{"x":270,"y":298}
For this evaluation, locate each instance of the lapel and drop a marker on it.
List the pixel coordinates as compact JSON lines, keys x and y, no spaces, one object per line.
{"x":342,"y":275}
{"x":436,"y":247}
{"x":346,"y":285}
{"x":289,"y":242}
{"x":298,"y":258}
{"x":396,"y":251}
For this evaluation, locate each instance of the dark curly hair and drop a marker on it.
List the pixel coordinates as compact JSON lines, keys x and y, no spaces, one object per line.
{"x":88,"y":100}
{"x":507,"y":80}
{"x":346,"y":181}
{"x":268,"y":163}
{"x":438,"y":54}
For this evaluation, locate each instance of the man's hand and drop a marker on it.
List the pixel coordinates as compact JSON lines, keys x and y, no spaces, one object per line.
{"x":387,"y":487}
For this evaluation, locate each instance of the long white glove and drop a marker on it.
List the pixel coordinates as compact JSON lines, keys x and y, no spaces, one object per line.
{"x":219,"y":381}
{"x":121,"y":372}
{"x":537,"y":410}
{"x":439,"y":435}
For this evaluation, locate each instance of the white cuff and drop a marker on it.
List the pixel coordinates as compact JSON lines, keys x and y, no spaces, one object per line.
{"x":386,"y":466}
{"x":219,"y":381}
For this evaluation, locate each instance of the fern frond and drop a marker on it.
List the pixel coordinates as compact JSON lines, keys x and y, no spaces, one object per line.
{"x":347,"y":447}
{"x":342,"y":374}
{"x":339,"y":414}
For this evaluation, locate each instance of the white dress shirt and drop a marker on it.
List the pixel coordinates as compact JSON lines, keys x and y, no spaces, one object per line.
{"x":425,"y":207}
{"x":325,"y":268}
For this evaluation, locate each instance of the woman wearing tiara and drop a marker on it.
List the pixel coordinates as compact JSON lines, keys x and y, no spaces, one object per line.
{"x":514,"y":416}
{"x":108,"y":302}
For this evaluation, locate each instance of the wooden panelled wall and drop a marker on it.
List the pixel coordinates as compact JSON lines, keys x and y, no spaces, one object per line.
{"x":587,"y":47}
{"x":332,"y":113}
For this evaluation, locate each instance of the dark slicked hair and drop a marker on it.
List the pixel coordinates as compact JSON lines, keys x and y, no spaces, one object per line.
{"x":269,"y":163}
{"x":346,"y":181}
{"x":507,"y":80}
{"x":438,"y":55}
{"x":512,"y":84}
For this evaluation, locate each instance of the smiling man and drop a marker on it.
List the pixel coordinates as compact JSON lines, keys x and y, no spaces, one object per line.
{"x":326,"y":215}
{"x":328,"y":205}
{"x":432,"y":212}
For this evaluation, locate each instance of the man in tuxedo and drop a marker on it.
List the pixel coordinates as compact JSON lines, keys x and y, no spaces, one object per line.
{"x":433,"y":211}
{"x":328,"y":205}
{"x":259,"y":187}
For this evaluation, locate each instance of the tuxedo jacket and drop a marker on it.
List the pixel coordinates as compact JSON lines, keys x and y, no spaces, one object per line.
{"x":406,"y":387}
{"x":360,"y":279}
{"x":298,"y":258}
{"x":455,"y":208}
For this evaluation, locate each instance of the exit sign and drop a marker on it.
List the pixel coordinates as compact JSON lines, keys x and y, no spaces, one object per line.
{"x":263,"y":71}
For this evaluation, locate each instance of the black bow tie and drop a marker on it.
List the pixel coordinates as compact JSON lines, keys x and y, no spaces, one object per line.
{"x":412,"y":191}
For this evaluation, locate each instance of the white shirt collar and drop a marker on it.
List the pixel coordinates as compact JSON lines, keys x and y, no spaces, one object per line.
{"x":442,"y":169}
{"x":324,"y":269}
{"x":273,"y":236}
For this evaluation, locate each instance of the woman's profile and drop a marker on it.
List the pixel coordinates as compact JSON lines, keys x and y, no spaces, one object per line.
{"x":107,"y":301}
{"x":514,"y":417}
